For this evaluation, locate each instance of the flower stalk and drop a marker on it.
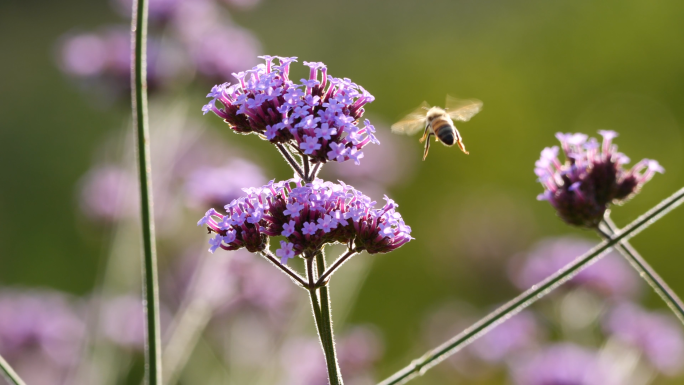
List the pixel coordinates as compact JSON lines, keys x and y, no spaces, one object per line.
{"x":323,"y":325}
{"x":326,"y":318}
{"x":139,"y":106}
{"x":536,"y":292}
{"x":649,"y":275}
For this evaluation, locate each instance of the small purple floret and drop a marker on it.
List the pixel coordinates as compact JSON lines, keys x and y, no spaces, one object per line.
{"x":285,"y":252}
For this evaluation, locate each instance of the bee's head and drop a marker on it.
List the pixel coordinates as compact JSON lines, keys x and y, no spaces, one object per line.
{"x":433,"y":113}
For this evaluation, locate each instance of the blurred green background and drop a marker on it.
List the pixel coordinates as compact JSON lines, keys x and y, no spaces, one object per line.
{"x":540,"y":67}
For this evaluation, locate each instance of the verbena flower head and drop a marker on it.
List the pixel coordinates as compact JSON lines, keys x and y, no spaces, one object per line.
{"x":591,"y":178}
{"x":309,"y":216}
{"x":319,"y":116}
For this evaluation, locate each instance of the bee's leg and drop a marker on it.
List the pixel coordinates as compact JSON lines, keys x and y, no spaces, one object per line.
{"x":462,"y":147}
{"x":427,"y":146}
{"x":459,"y":141}
{"x":425,"y":133}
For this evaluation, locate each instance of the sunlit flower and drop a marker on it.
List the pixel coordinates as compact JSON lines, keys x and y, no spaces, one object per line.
{"x":310,"y":216}
{"x":318,"y":117}
{"x":591,"y":178}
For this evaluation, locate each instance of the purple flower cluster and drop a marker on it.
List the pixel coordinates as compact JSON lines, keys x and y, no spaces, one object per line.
{"x":309,"y":216}
{"x":317,"y":117}
{"x":591,"y":178}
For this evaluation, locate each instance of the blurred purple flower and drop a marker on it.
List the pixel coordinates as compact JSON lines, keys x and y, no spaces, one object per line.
{"x":610,"y":276}
{"x":215,"y":185}
{"x":103,"y":59}
{"x":383,"y":166}
{"x":357,"y":351}
{"x":342,"y":214}
{"x":234,"y":282}
{"x":202,"y":40}
{"x":266,"y":102}
{"x":223,"y":50}
{"x":108,"y":193}
{"x":658,"y":336}
{"x":591,"y":178}
{"x":563,"y":364}
{"x":40,"y":323}
{"x":123,"y":321}
{"x":514,"y":336}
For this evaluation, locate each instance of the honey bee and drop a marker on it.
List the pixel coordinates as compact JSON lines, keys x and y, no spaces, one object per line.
{"x":438,"y":122}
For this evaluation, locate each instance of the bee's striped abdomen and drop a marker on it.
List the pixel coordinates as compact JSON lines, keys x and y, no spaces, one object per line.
{"x":445,"y":133}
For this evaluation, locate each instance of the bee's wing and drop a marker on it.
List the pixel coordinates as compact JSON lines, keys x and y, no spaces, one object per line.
{"x":413,"y":122}
{"x":462,"y":110}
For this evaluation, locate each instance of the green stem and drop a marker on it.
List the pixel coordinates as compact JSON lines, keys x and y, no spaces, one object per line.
{"x":458,"y":342}
{"x":331,"y":357}
{"x":139,"y":91}
{"x":10,"y":375}
{"x":646,"y":271}
{"x":322,"y":333}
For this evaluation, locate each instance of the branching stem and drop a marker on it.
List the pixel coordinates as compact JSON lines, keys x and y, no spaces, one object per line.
{"x":458,"y":342}
{"x":644,"y":269}
{"x":293,"y":274}
{"x":291,"y":161}
{"x":322,"y":278}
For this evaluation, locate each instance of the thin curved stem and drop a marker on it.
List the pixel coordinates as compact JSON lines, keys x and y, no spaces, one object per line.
{"x":458,"y":342}
{"x":646,"y":271}
{"x":151,"y":294}
{"x":291,"y":161}
{"x":326,"y":317}
{"x":322,"y":278}
{"x":286,"y":270}
{"x":9,"y":374}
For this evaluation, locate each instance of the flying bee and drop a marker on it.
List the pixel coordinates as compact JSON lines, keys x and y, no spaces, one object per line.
{"x":439,"y":122}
